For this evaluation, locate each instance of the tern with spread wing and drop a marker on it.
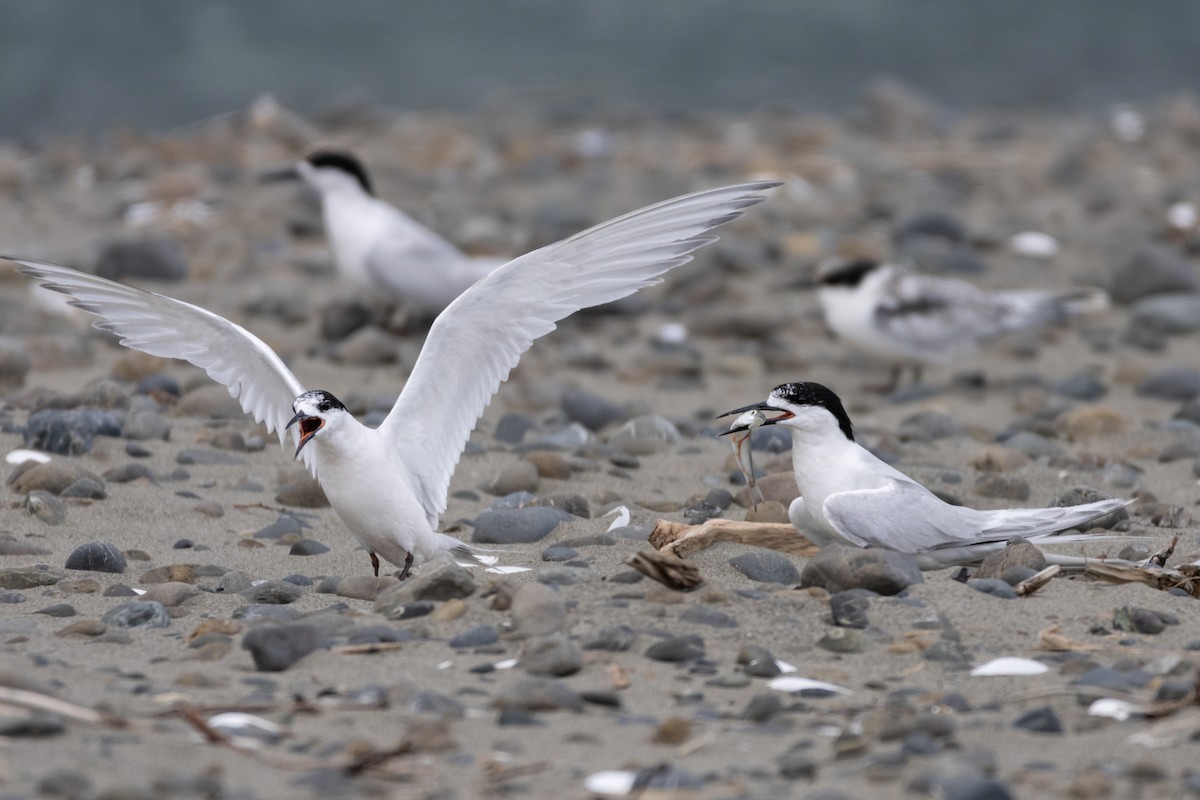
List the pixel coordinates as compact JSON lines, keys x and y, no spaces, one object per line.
{"x":389,"y":484}
{"x":907,"y":319}
{"x":848,"y":496}
{"x":376,"y":246}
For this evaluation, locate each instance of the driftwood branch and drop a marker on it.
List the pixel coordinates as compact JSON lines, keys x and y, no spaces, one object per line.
{"x":681,"y":540}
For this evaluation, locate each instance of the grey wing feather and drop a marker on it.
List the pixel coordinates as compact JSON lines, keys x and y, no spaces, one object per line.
{"x":902,"y":515}
{"x":479,"y":337}
{"x":933,"y":313}
{"x":162,"y":326}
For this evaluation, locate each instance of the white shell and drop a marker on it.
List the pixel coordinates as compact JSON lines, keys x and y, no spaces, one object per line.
{"x":21,"y":456}
{"x":622,"y":519}
{"x":506,"y":570}
{"x":1010,"y":665}
{"x":784,"y":666}
{"x":671,"y":333}
{"x":1183,"y":216}
{"x":507,"y":663}
{"x":612,"y":782}
{"x":1111,"y":708}
{"x":793,"y":683}
{"x":1034,"y":244}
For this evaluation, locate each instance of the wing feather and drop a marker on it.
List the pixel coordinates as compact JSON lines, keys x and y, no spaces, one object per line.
{"x":478,"y":338}
{"x":161,"y":326}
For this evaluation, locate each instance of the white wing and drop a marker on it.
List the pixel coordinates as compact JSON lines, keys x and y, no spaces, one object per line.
{"x":934,"y":313}
{"x":169,"y":328}
{"x":479,"y":337}
{"x":904,"y":516}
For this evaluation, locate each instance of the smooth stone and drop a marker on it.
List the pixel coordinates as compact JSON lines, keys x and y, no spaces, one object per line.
{"x":68,"y":432}
{"x":929,"y":426}
{"x":137,"y":614}
{"x":993,"y":586}
{"x":97,"y":557}
{"x":849,"y":608}
{"x":518,"y":476}
{"x":155,"y":257}
{"x":145,"y":426}
{"x":676,"y":649}
{"x":273,"y":593}
{"x":591,"y":410}
{"x":556,"y":656}
{"x":512,"y":427}
{"x":838,"y":568}
{"x":178,"y":573}
{"x":78,"y":586}
{"x":12,"y":598}
{"x":446,"y":581}
{"x":566,"y":575}
{"x":47,"y":508}
{"x":362,"y":587}
{"x":842,"y":640}
{"x":1173,"y":383}
{"x":195,"y":455}
{"x":538,"y":694}
{"x":549,"y":464}
{"x":1168,"y":314}
{"x":52,"y":477}
{"x":536,"y":610}
{"x":479,"y":636}
{"x":1189,"y":411}
{"x":228,"y":440}
{"x":1039,"y":720}
{"x":18,"y":578}
{"x":306,"y":493}
{"x":757,"y":661}
{"x":574,"y":504}
{"x":308,"y":547}
{"x":705,"y":615}
{"x":85,"y":627}
{"x":1152,"y":269}
{"x":10,"y":546}
{"x":59,"y":610}
{"x":86,"y":488}
{"x":128,"y":472}
{"x":1018,"y":553}
{"x":275,"y":648}
{"x":517,"y":525}
{"x":766,"y":567}
{"x":286,"y":525}
{"x":645,"y":434}
{"x":1142,"y":620}
{"x":171,"y":593}
{"x":613,"y":639}
{"x":559,"y":553}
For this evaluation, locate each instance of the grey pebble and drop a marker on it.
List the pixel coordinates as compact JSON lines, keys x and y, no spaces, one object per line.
{"x":538,"y":694}
{"x":1167,"y":314}
{"x":97,"y":557}
{"x":517,"y":525}
{"x":613,"y":639}
{"x":838,"y":568}
{"x":28,"y":578}
{"x":566,"y":575}
{"x":706,"y":615}
{"x":536,"y":610}
{"x":46,"y":507}
{"x":11,"y":598}
{"x":479,"y":636}
{"x":358,"y":587}
{"x":1081,"y":386}
{"x":69,"y":433}
{"x":145,"y":426}
{"x":1142,"y":620}
{"x":274,"y":648}
{"x":676,"y":649}
{"x":444,"y":582}
{"x":308,"y":547}
{"x":228,"y":440}
{"x":556,"y":656}
{"x":798,"y":763}
{"x":762,"y":707}
{"x":849,"y":608}
{"x":591,"y":410}
{"x":137,"y":614}
{"x":765,"y":566}
{"x":1152,"y":269}
{"x":559,"y":553}
{"x":758,"y":662}
{"x":644,"y":435}
{"x":1039,"y":720}
{"x":286,"y":525}
{"x":234,"y":582}
{"x":1078,"y":495}
{"x":512,"y":427}
{"x":517,"y":476}
{"x":59,"y":610}
{"x":927,"y":426}
{"x":37,"y":724}
{"x":128,"y":472}
{"x":842,"y":640}
{"x":994,"y":587}
{"x":1173,"y":383}
{"x":87,"y":488}
{"x":273,"y":593}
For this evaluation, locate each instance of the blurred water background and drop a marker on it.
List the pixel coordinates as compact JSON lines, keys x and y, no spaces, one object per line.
{"x":69,"y":65}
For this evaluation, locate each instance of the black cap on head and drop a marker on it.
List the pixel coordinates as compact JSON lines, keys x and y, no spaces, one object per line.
{"x":340,"y":159}
{"x":814,"y":394}
{"x":323,"y":400}
{"x":847,"y":273}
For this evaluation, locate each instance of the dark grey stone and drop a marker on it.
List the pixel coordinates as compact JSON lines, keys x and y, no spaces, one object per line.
{"x":556,"y":656}
{"x":512,"y":427}
{"x":539,"y":694}
{"x":676,"y":649}
{"x":153,"y":257}
{"x":273,"y":593}
{"x":308,"y":547}
{"x":59,"y":610}
{"x":69,"y":433}
{"x":517,"y":525}
{"x":1039,"y":720}
{"x":765,"y":566}
{"x":590,"y":410}
{"x":479,"y":636}
{"x":1081,"y":386}
{"x":1152,"y":269}
{"x":137,"y":614}
{"x":994,"y":587}
{"x":850,"y":608}
{"x":284,"y":526}
{"x":1173,"y":383}
{"x":128,"y":472}
{"x":559,"y":553}
{"x":196,"y":455}
{"x":706,"y":615}
{"x":274,"y":648}
{"x":838,"y":568}
{"x":86,"y":488}
{"x":614,"y":639}
{"x":762,"y":707}
{"x":97,"y":557}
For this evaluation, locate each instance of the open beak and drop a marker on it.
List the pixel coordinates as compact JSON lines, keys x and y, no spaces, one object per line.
{"x":289,"y":173}
{"x":308,"y":429}
{"x":763,"y":407}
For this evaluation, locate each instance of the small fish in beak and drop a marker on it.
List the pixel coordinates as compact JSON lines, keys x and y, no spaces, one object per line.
{"x":753,"y":416}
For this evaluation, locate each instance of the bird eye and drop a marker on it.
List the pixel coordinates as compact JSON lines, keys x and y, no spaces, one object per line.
{"x":323,"y":407}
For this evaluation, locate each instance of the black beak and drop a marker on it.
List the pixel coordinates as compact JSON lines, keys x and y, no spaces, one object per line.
{"x":763,"y":407}
{"x":308,"y":429}
{"x":278,"y":175}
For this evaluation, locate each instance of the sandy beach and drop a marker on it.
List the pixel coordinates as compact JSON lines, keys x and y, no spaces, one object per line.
{"x":529,"y":684}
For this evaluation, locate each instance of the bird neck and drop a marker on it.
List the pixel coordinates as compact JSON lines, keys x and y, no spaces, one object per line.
{"x":815,"y":450}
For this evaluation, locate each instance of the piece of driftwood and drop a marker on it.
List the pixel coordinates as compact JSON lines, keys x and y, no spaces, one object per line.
{"x":1036,"y":581}
{"x":669,"y":570}
{"x":680,"y":539}
{"x":1151,"y":572}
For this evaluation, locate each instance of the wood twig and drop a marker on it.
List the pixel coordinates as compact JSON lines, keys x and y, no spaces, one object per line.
{"x":680,"y":539}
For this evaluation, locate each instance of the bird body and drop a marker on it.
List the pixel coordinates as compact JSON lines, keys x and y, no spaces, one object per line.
{"x":908,"y":319}
{"x":849,"y":496}
{"x":390,"y":484}
{"x":376,"y":246}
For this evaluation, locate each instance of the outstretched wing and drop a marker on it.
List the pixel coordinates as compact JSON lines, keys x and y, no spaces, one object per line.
{"x":161,"y":326}
{"x":479,"y":338}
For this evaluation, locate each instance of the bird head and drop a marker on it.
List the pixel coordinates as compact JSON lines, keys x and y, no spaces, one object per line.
{"x":317,"y":413}
{"x":327,"y":171}
{"x":803,"y":406}
{"x":844,"y":273}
